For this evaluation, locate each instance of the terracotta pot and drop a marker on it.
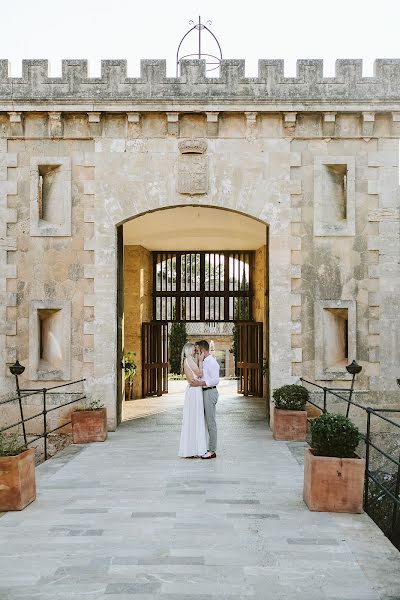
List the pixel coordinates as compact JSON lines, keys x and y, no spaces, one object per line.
{"x":89,"y":426}
{"x":333,"y":484}
{"x":17,"y":480}
{"x":290,"y":425}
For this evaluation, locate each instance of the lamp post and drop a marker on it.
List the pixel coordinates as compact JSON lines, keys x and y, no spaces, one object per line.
{"x":17,"y":369}
{"x":353,"y":368}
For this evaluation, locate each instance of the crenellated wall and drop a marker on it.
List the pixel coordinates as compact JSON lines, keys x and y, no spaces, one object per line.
{"x":232,"y":85}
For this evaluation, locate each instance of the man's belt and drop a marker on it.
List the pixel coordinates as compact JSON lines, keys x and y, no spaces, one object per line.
{"x":213,"y":387}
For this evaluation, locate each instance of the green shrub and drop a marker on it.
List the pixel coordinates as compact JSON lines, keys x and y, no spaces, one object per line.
{"x":130,"y":366}
{"x":11,"y":445}
{"x":291,"y":397}
{"x":334,"y":435}
{"x":175,"y":377}
{"x":92,"y":405}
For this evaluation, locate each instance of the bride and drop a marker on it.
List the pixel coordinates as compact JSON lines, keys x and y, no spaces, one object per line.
{"x":194,"y":434}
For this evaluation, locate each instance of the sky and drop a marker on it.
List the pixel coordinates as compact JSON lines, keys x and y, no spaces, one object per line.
{"x":289,"y":29}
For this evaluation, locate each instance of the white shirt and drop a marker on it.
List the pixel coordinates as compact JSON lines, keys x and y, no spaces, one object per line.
{"x":210,"y":371}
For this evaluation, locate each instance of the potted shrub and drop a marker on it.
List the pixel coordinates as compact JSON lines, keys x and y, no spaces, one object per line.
{"x":290,"y":416}
{"x":333,"y":473}
{"x":130,"y":369}
{"x":17,"y":474}
{"x":89,"y":423}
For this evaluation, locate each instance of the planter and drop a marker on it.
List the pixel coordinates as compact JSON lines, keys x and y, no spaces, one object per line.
{"x":89,"y":426}
{"x":290,"y":425}
{"x":333,"y":484}
{"x":17,"y":481}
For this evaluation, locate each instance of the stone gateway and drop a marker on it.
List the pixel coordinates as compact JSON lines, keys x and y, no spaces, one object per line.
{"x":313,"y":159}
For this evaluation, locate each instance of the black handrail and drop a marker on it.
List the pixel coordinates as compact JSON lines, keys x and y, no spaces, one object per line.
{"x":393,"y":532}
{"x":45,"y":392}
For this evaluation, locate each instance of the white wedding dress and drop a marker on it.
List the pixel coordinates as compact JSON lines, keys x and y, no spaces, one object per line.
{"x":194,"y":434}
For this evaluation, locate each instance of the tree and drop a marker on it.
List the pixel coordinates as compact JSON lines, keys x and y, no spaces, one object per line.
{"x":177,"y":339}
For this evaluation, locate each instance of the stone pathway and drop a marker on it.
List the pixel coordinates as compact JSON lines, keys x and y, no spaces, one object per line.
{"x":127,"y":519}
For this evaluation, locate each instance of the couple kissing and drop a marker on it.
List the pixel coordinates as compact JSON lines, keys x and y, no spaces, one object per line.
{"x":199,"y":427}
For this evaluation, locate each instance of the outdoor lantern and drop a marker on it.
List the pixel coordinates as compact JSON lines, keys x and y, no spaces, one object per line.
{"x":354,"y":368}
{"x":17,"y":368}
{"x":398,"y":382}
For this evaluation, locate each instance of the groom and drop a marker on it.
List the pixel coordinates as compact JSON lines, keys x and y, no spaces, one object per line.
{"x":210,"y":394}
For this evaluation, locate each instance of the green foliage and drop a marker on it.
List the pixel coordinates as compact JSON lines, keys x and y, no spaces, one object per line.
{"x":130,"y":366}
{"x":334,"y":435}
{"x":92,"y":405}
{"x":11,"y":445}
{"x":177,"y":339}
{"x":291,"y":397}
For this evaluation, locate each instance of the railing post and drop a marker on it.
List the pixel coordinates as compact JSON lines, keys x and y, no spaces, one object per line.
{"x":350,"y":395}
{"x":45,"y":423}
{"x":21,"y":410}
{"x":17,"y":369}
{"x":367,"y":441}
{"x":395,"y":504}
{"x":324,"y":409}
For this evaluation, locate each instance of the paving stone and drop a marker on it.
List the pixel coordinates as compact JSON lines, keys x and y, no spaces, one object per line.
{"x":172,"y":560}
{"x":219,"y":501}
{"x":84,"y":511}
{"x":132,"y":588}
{"x":153,"y":526}
{"x":154,"y":515}
{"x":312,"y":541}
{"x":252,"y":516}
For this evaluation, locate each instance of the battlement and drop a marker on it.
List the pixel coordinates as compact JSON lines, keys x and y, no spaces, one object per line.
{"x":269,"y":86}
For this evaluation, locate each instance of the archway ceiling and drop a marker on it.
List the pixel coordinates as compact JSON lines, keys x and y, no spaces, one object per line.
{"x":194,"y":227}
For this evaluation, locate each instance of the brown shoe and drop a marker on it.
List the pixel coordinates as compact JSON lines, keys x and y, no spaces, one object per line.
{"x":208,"y":455}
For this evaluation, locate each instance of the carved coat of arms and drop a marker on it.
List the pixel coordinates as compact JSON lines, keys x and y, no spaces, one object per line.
{"x":192,"y":167}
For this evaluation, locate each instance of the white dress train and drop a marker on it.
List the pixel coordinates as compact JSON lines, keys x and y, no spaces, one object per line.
{"x":194,"y":435}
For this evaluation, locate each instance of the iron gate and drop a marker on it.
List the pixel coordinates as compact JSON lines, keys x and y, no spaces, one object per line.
{"x":250,"y":359}
{"x":155,"y":359}
{"x":203,"y":286}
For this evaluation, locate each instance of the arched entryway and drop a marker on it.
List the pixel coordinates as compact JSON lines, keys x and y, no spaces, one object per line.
{"x":144,"y":180}
{"x":201,"y":268}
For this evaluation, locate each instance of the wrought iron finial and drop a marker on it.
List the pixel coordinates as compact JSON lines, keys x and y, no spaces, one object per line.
{"x":212,"y":61}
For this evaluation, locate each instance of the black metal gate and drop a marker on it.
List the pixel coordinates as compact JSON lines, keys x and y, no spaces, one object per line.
{"x":200,"y":286}
{"x":155,"y":358}
{"x":250,"y":359}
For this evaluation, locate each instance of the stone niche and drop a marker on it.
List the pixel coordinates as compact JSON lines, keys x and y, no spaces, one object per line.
{"x":334,"y":196}
{"x":50,"y":196}
{"x":50,"y":340}
{"x":335,"y":338}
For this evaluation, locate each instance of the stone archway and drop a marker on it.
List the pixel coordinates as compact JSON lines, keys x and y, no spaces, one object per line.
{"x":132,"y":184}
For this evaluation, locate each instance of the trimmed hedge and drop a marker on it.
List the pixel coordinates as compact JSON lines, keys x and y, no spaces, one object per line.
{"x":334,"y":435}
{"x":291,"y":397}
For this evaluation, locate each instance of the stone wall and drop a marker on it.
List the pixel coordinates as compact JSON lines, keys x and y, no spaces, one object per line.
{"x":137,"y":303}
{"x":314,"y":158}
{"x":260,"y":308}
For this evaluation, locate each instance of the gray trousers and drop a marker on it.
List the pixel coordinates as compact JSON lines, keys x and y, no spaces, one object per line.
{"x":210,"y":399}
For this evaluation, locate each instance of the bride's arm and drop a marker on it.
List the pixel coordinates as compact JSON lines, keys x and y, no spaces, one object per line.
{"x":201,"y":366}
{"x":195,"y":368}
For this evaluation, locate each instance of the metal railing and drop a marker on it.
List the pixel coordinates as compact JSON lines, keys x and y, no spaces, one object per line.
{"x":382,"y":503}
{"x":46,"y":409}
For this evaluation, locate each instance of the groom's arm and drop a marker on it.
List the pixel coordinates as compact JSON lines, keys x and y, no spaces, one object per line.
{"x":198,"y":383}
{"x":210,"y":378}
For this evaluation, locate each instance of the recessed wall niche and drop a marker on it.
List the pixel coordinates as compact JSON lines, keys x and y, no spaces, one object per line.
{"x":50,"y":340}
{"x":50,"y":196}
{"x":335,"y":338}
{"x":334,"y":196}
